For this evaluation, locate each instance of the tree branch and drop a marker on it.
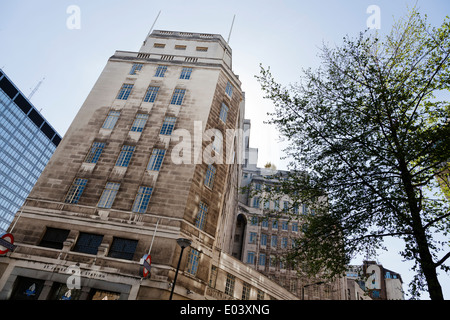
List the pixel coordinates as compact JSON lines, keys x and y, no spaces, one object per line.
{"x":437,"y":264}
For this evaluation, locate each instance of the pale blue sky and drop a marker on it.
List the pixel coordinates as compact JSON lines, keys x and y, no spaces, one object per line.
{"x":284,"y":35}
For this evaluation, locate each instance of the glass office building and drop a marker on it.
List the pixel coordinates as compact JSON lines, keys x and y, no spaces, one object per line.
{"x":27,"y":141}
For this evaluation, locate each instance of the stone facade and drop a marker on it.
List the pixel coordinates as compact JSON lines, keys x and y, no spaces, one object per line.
{"x":264,"y":234}
{"x":76,"y":237}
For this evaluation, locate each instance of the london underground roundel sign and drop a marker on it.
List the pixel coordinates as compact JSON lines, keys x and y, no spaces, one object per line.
{"x":146,"y":266}
{"x":7,"y":243}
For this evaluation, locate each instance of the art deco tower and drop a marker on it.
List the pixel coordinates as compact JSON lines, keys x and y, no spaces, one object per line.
{"x":152,"y":156}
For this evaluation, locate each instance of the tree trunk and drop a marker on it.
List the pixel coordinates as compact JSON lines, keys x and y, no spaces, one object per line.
{"x":425,"y":259}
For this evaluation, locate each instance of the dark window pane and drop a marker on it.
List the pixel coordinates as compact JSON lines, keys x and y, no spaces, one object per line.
{"x":23,"y":104}
{"x":54,"y":238}
{"x":8,"y":87}
{"x":123,"y":248}
{"x":88,"y":243}
{"x":27,"y":289}
{"x":60,"y":291}
{"x":36,"y":118}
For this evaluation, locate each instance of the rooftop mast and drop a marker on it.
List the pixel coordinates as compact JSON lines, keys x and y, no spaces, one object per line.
{"x":229,"y":35}
{"x":151,"y":29}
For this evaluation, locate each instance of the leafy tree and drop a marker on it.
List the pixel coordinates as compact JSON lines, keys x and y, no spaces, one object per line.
{"x":368,"y":137}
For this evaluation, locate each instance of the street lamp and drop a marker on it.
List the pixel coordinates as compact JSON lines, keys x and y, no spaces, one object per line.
{"x":183,"y":243}
{"x":307,"y":285}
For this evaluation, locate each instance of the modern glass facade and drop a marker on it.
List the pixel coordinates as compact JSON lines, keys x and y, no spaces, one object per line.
{"x":27,"y":141}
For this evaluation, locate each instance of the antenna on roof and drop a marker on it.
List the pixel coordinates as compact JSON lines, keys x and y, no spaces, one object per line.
{"x":231,"y":29}
{"x":35,"y":89}
{"x":151,"y":29}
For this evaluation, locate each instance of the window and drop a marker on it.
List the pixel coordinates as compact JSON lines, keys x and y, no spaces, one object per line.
{"x":284,"y":225}
{"x":160,"y":71}
{"x":139,"y":122}
{"x":256,"y":201}
{"x":168,"y":125}
{"x":263,"y":239}
{"x":150,"y":95}
{"x":27,"y":289}
{"x":135,"y":68}
{"x":246,"y":291}
{"x":60,"y":291}
{"x":156,"y":159}
{"x":265,"y":223}
{"x":272,"y":261}
{"x":252,"y":238}
{"x":284,"y":242}
{"x":254,"y":221}
{"x":217,"y":143}
{"x":108,"y":195}
{"x":294,"y":243}
{"x":251,"y":257}
{"x":96,"y":294}
{"x":304,"y":209}
{"x":202,"y":49}
{"x":275,"y":224}
{"x":229,"y":89}
{"x":125,"y":156}
{"x":54,"y":238}
{"x":213,"y":277}
{"x":276,"y":204}
{"x":122,"y":248}
{"x":111,"y":120}
{"x":201,"y":216}
{"x":229,"y":285}
{"x":193,"y":260}
{"x":223,"y":113}
{"x":260,"y":295}
{"x":285,"y":206}
{"x":180,"y":47}
{"x":295,"y":226}
{"x":186,"y":73}
{"x":88,"y":243}
{"x":262,"y":259}
{"x":274,"y":241}
{"x":375,"y":294}
{"x":177,"y":97}
{"x":95,"y":152}
{"x":142,"y":199}
{"x":209,"y":178}
{"x":159,"y":45}
{"x":75,"y":191}
{"x":267,"y":204}
{"x":304,"y":227}
{"x":124,"y":91}
{"x":293,"y":285}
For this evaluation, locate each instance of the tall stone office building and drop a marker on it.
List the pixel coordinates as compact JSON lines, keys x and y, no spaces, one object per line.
{"x":151,"y":157}
{"x":27,"y":141}
{"x":266,"y":231}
